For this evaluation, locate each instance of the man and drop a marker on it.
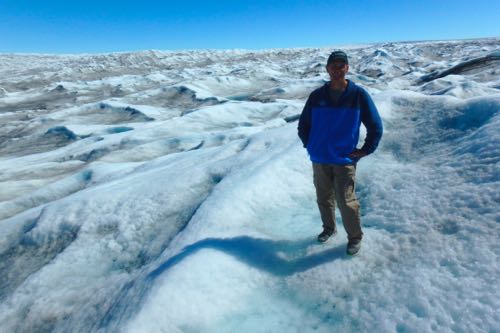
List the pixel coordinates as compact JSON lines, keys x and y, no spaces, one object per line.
{"x":329,"y":129}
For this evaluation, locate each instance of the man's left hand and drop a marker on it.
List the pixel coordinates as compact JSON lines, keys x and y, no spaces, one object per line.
{"x":357,"y":154}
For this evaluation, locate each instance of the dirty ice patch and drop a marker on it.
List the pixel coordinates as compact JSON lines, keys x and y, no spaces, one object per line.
{"x":103,"y":113}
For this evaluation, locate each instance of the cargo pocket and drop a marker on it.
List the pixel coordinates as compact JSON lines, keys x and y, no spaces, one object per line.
{"x":349,"y":186}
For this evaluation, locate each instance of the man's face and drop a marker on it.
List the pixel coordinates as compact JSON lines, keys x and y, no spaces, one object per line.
{"x":337,"y":70}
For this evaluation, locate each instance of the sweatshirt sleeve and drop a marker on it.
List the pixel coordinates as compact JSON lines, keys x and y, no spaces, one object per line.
{"x":372,"y":121}
{"x":305,"y":122}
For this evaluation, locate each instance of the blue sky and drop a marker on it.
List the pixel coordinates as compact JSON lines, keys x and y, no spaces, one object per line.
{"x":101,"y":26}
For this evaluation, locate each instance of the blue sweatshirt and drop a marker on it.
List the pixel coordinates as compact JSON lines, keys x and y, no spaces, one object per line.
{"x":330,"y":131}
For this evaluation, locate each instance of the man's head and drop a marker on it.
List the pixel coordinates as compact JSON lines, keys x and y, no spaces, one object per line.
{"x":337,"y":65}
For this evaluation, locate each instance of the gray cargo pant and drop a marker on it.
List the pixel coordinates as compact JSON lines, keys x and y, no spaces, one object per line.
{"x":336,"y":183}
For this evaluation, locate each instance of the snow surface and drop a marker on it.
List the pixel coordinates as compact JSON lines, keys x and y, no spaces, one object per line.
{"x":168,"y":192}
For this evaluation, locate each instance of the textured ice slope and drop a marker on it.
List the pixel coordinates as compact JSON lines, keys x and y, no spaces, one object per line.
{"x":168,"y":191}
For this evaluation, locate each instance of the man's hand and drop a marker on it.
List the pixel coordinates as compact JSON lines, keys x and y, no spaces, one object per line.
{"x":357,"y":154}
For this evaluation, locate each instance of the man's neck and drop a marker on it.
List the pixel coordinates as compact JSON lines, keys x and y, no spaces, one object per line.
{"x":338,"y":84}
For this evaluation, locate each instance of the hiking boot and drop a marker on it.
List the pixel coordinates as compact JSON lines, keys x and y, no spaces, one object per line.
{"x":353,"y":247}
{"x":327,"y":233}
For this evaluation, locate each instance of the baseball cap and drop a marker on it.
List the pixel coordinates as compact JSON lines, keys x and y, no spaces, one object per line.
{"x":337,"y":56}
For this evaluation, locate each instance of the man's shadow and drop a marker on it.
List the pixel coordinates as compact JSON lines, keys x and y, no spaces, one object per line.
{"x":280,"y":258}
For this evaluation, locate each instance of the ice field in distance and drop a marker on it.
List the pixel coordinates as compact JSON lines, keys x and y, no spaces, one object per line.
{"x":164,"y":191}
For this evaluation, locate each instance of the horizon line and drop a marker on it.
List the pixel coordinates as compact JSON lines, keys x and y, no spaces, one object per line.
{"x":355,"y":45}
